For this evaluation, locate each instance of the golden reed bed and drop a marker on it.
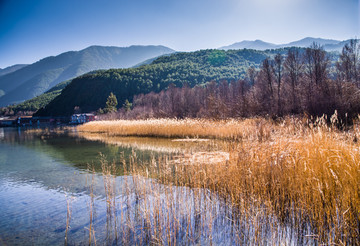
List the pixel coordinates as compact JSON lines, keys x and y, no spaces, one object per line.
{"x":307,"y":175}
{"x":188,"y":128}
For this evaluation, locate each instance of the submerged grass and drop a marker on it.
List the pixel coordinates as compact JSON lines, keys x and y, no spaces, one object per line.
{"x":285,"y":181}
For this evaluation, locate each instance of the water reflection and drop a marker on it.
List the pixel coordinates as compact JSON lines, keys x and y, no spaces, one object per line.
{"x":44,"y":176}
{"x":38,"y":174}
{"x":157,"y":145}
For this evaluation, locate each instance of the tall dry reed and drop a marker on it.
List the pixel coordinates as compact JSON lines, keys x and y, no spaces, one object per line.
{"x":309,"y":178}
{"x":69,"y":200}
{"x":292,"y":180}
{"x":91,"y":206}
{"x":109,"y":178}
{"x":172,"y":128}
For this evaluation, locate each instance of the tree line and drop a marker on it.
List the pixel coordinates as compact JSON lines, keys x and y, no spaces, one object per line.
{"x":298,"y":82}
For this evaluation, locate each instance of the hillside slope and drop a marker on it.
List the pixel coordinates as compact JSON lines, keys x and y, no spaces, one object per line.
{"x":39,"y":77}
{"x":90,"y":92}
{"x":34,"y":104}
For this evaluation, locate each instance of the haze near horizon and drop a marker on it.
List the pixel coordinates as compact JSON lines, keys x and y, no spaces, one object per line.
{"x":32,"y":30}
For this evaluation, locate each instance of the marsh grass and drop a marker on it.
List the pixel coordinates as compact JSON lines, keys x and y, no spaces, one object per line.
{"x":91,"y":207}
{"x":69,"y":200}
{"x":109,"y":179}
{"x":172,"y":128}
{"x":289,"y":182}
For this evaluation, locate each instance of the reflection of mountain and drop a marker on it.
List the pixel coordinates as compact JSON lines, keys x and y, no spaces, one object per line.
{"x":160,"y":145}
{"x":54,"y":162}
{"x":20,"y":164}
{"x":58,"y":161}
{"x":78,"y":152}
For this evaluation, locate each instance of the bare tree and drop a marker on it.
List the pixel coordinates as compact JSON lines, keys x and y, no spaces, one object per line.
{"x":251,"y":74}
{"x":212,"y":101}
{"x":316,"y":71}
{"x":238,"y":102}
{"x":349,"y":62}
{"x":264,"y":87}
{"x":277,"y":68}
{"x":293,"y":68}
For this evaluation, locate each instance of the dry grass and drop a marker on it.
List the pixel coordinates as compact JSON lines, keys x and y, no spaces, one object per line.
{"x":91,"y":207}
{"x":309,"y":183}
{"x":291,"y":174}
{"x":68,"y":217}
{"x":109,"y":178}
{"x":172,"y":128}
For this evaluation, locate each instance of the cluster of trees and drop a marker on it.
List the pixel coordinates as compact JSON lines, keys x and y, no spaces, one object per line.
{"x":295,"y":83}
{"x":111,"y":105}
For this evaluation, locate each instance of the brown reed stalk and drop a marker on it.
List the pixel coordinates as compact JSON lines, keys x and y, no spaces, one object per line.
{"x":68,"y":218}
{"x":109,"y":179}
{"x":92,"y":238}
{"x":296,"y":173}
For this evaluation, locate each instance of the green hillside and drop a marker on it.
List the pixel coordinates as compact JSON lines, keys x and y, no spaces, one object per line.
{"x":89,"y":92}
{"x":32,"y":80}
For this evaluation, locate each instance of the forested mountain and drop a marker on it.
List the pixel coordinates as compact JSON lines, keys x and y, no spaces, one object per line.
{"x":89,"y":92}
{"x":34,"y":79}
{"x":327,"y":44}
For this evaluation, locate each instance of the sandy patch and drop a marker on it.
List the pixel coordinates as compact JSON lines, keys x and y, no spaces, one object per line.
{"x":216,"y":157}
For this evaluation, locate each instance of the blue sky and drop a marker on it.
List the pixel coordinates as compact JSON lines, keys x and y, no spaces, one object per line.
{"x":33,"y":29}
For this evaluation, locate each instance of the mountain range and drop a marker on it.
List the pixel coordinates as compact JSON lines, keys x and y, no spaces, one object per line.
{"x":90,"y":91}
{"x":327,"y":44}
{"x":35,"y":85}
{"x":27,"y":81}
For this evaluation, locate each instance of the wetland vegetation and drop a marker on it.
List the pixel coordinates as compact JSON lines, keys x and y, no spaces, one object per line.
{"x":289,"y":181}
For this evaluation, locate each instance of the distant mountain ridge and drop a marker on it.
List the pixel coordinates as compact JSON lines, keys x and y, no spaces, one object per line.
{"x":247,"y":44}
{"x":328,"y":44}
{"x":11,"y":69}
{"x":32,"y":80}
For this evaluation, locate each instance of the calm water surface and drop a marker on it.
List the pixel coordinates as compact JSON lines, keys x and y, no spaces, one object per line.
{"x":41,"y":176}
{"x":38,"y":175}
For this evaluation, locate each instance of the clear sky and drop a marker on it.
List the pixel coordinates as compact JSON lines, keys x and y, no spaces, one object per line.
{"x":33,"y":29}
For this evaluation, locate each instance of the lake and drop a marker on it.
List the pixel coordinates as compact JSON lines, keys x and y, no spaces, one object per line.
{"x":40,"y":176}
{"x":54,"y":191}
